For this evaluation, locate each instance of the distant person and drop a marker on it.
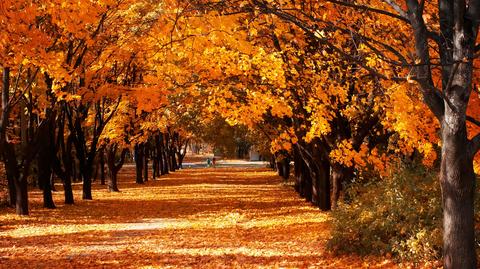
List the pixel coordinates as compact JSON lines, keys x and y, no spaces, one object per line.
{"x":209,"y":162}
{"x":214,"y":161}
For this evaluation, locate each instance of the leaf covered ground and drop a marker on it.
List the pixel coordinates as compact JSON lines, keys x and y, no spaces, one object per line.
{"x":197,"y":218}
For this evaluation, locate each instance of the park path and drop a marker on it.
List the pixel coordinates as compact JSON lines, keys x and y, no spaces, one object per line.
{"x":194,"y":218}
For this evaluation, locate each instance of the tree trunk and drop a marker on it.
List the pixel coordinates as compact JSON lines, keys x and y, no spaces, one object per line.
{"x":68,"y":162}
{"x":139,"y":163}
{"x":340,"y":175}
{"x":46,"y":157}
{"x":21,"y":194}
{"x":52,"y":182}
{"x":168,"y":151}
{"x":112,"y":182}
{"x":280,"y":169}
{"x":173,"y":160}
{"x":87,"y":176}
{"x":102,"y":166}
{"x":112,"y":171}
{"x":159,"y":151}
{"x":459,"y":26}
{"x":161,"y":163}
{"x":95,"y":169}
{"x":47,"y":195}
{"x":320,"y":171}
{"x":166,"y":162}
{"x":286,"y":168}
{"x":181,"y":157}
{"x":458,"y":188}
{"x":272,"y":162}
{"x":84,"y":169}
{"x":114,"y":167}
{"x":324,"y":183}
{"x":305,"y":177}
{"x":145,"y":161}
{"x":307,"y":184}
{"x":297,"y":170}
{"x":19,"y":179}
{"x":68,"y":192}
{"x":11,"y":189}
{"x":87,"y":183}
{"x":64,"y":172}
{"x":8,"y":152}
{"x":74,"y":170}
{"x":44,"y":173}
{"x":154,"y":158}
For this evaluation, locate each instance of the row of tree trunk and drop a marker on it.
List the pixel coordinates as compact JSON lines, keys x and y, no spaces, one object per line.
{"x":316,"y":179}
{"x":60,"y":145}
{"x":166,"y":150}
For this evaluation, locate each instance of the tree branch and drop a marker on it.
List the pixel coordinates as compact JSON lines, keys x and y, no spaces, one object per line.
{"x":474,"y":145}
{"x":423,"y":72}
{"x":473,"y":120}
{"x":397,"y":8}
{"x":402,"y":15}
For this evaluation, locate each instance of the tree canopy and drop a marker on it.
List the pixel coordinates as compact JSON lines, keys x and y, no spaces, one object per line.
{"x":345,"y":89}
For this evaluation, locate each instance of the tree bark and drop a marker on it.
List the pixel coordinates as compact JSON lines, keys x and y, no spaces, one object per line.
{"x":458,"y":188}
{"x":114,"y":166}
{"x":146,"y":152}
{"x":86,"y":156}
{"x":181,"y":154}
{"x":280,"y":169}
{"x":64,"y":172}
{"x":168,"y":151}
{"x":272,"y":162}
{"x":19,"y":177}
{"x":297,"y":171}
{"x":318,"y":177}
{"x":321,"y":185}
{"x":112,"y":182}
{"x":74,"y":170}
{"x":52,"y":182}
{"x":18,"y":173}
{"x":68,"y":162}
{"x":68,"y":192}
{"x":173,"y":159}
{"x":87,"y":183}
{"x":154,"y":157}
{"x":307,"y":184}
{"x":112,"y":172}
{"x":44,"y":173}
{"x":11,"y":189}
{"x":460,"y":23}
{"x":166,"y":162}
{"x":286,"y":168}
{"x":139,"y":163}
{"x":46,"y":157}
{"x":102,"y":166}
{"x":159,"y":154}
{"x":340,"y":175}
{"x":21,"y":194}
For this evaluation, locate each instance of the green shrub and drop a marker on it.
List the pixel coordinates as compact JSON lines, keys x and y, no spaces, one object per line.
{"x":400,"y":215}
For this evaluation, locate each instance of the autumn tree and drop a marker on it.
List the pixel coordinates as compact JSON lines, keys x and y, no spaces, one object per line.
{"x":452,"y":27}
{"x":23,"y":41}
{"x":387,"y":63}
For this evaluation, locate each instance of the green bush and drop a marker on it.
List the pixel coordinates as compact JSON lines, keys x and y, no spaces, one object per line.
{"x":399,"y":215}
